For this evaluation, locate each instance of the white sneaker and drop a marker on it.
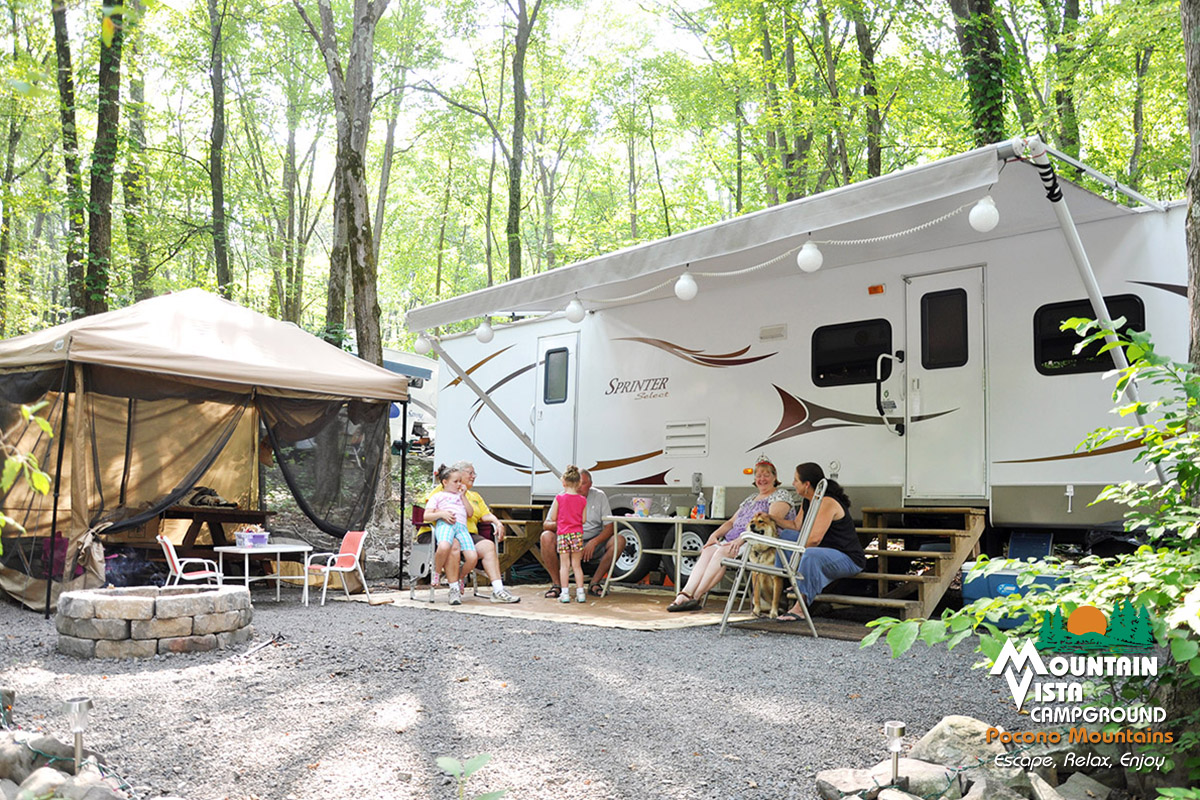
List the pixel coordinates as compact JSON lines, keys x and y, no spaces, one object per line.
{"x":455,"y":595}
{"x":565,"y":597}
{"x":580,"y":595}
{"x":504,"y":596}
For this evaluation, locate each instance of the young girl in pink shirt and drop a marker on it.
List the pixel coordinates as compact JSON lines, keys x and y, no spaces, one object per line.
{"x":572,"y":509}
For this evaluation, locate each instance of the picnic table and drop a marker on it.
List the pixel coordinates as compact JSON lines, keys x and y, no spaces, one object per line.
{"x":523,"y":524}
{"x":215,"y":518}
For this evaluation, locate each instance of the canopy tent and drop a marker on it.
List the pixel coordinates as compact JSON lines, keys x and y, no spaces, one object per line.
{"x":883,"y":217}
{"x":169,"y":393}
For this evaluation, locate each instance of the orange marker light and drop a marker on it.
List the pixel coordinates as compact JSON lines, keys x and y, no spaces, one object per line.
{"x":877,"y":288}
{"x":748,"y":471}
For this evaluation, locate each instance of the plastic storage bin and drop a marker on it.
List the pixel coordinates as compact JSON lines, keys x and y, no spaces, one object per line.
{"x":251,"y":538}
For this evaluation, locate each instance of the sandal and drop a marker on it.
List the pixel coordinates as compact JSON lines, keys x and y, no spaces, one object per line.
{"x":683,"y":605}
{"x":554,"y":591}
{"x":790,"y":616}
{"x":596,"y":590}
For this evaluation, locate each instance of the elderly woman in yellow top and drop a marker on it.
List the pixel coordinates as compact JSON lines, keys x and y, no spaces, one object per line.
{"x":478,"y":511}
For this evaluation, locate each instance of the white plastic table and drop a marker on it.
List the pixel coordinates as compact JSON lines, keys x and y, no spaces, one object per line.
{"x":677,"y":551}
{"x":262,"y":549}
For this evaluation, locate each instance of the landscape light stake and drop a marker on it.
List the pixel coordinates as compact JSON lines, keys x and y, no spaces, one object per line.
{"x":894,"y":731}
{"x":76,"y":709}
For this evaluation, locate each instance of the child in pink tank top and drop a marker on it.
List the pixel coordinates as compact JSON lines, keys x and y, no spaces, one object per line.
{"x":572,"y":509}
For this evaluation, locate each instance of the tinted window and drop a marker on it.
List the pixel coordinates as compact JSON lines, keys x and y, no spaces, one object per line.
{"x":1053,"y":349}
{"x":556,"y":376}
{"x":846,"y":354}
{"x":944,"y":329}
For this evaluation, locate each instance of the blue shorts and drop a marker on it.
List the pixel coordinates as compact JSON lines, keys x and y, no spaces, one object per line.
{"x":444,"y":533}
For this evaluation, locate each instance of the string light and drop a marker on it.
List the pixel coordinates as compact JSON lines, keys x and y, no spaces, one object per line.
{"x":685,"y":287}
{"x":575,"y":311}
{"x":810,"y":258}
{"x":423,"y":345}
{"x":484,"y":332}
{"x":984,"y":216}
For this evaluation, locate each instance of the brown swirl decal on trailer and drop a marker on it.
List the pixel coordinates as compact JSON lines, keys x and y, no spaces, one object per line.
{"x":699,"y":357}
{"x":1124,"y":447}
{"x":804,"y":416}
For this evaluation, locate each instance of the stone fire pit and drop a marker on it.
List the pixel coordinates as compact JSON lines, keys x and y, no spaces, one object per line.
{"x":143,"y":621}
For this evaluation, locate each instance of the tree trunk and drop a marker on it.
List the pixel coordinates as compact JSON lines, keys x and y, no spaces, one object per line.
{"x":104,"y":156}
{"x":10,"y":165}
{"x":771,"y":91}
{"x":487,"y":233}
{"x":630,"y":143}
{"x":870,"y":90}
{"x":1141,"y":66}
{"x":441,"y":245}
{"x":133,"y":182}
{"x":831,"y":82}
{"x":216,"y":151}
{"x":75,"y":202}
{"x":979,"y":44}
{"x":385,"y":170}
{"x":1068,"y":66}
{"x":1189,"y":11}
{"x":662,"y":192}
{"x":290,"y":301}
{"x":526,"y":19}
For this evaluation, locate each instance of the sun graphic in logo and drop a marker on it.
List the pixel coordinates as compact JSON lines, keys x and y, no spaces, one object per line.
{"x":1087,"y":619}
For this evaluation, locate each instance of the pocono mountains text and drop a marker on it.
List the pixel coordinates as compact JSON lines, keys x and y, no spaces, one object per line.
{"x":641,"y":388}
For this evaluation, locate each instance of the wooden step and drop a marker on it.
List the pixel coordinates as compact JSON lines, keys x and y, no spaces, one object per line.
{"x":855,"y":600}
{"x":894,"y":577}
{"x":897,"y":532}
{"x":874,"y":551}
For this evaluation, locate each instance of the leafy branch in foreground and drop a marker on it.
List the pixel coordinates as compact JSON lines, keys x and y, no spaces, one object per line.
{"x":1162,"y":577}
{"x":18,"y":464}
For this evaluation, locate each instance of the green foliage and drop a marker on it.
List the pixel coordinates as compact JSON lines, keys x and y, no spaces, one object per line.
{"x":1161,"y":579}
{"x":461,"y":771}
{"x":18,"y":464}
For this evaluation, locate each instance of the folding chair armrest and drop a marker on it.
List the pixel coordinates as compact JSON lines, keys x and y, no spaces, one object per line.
{"x":207,"y":563}
{"x":329,"y":559}
{"x":782,"y":544}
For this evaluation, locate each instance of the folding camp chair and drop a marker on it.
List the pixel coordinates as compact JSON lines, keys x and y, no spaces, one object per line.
{"x":183,"y":569}
{"x":420,"y":558}
{"x":347,"y":559}
{"x":791,"y":563}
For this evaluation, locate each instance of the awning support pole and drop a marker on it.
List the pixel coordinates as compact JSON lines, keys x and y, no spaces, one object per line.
{"x":487,"y":401}
{"x":403,"y":485}
{"x":1038,"y":155}
{"x":62,"y":440}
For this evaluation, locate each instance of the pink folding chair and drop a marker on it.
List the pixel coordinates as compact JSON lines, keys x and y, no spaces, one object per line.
{"x":182,"y":568}
{"x":347,"y":559}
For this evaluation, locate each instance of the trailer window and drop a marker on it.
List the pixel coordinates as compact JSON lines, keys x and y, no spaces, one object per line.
{"x":944,"y":329}
{"x":555,"y":380}
{"x":845,"y":354}
{"x":1053,"y":349}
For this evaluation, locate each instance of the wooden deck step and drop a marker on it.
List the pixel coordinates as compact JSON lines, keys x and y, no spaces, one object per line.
{"x":897,"y":532}
{"x":874,"y":551}
{"x":855,"y":600}
{"x":895,"y":577}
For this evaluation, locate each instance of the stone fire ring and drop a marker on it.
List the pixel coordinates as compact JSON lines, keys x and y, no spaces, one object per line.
{"x":144,"y":621}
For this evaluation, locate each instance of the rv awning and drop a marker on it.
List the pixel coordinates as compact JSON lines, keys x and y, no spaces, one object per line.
{"x":878,"y":207}
{"x":202,"y":337}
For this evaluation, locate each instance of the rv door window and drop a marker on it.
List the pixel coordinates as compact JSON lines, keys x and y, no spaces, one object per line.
{"x":944,"y":329}
{"x":1054,"y":349}
{"x":846,"y":353}
{"x":555,"y":383}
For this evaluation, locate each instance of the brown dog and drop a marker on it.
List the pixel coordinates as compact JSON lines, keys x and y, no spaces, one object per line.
{"x":763,"y":525}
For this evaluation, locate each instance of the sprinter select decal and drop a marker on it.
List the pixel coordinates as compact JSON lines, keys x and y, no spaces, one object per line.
{"x":803,"y":416}
{"x":733,"y":359}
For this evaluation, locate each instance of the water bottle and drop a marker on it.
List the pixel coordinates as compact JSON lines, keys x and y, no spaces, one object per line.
{"x":701,"y":506}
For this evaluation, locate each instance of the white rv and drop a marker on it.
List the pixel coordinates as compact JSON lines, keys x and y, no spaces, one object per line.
{"x":916,"y":310}
{"x":422,"y":374}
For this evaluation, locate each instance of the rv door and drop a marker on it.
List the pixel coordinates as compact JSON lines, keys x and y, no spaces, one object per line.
{"x":554,"y":409}
{"x":945,"y":437}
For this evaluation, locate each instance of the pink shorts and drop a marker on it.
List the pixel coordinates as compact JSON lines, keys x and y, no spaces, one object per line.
{"x":570,"y":542}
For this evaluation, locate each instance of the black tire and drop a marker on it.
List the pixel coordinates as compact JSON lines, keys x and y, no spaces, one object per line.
{"x":692,"y":540}
{"x":634,"y":559}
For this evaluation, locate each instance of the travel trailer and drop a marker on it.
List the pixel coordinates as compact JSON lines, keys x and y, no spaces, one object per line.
{"x":422,"y":374}
{"x":891,"y":330}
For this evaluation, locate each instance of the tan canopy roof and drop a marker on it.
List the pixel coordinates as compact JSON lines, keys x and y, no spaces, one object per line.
{"x":196,"y":335}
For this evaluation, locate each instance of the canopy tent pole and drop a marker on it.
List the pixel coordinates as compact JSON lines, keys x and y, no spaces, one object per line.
{"x":403,"y":486}
{"x":487,"y":401}
{"x":62,"y":439}
{"x":1038,"y":155}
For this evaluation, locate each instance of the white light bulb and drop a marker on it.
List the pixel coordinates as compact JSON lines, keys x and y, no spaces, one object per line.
{"x":484,"y":332}
{"x":809,"y":258}
{"x":423,"y":345}
{"x":984,"y":215}
{"x":575,"y":310}
{"x":685,"y":287}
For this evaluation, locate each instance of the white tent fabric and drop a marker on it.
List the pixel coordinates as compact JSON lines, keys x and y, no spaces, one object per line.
{"x":885,"y":205}
{"x":196,"y":335}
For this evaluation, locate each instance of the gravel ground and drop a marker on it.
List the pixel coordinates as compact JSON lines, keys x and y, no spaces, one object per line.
{"x":359,"y":701}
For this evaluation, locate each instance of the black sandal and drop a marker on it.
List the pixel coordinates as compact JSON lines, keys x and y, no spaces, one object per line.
{"x":596,"y":590}
{"x":554,"y":591}
{"x":683,"y":605}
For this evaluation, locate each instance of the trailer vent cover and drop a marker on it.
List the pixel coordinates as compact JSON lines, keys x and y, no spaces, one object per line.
{"x":772,"y":333}
{"x":688,"y":438}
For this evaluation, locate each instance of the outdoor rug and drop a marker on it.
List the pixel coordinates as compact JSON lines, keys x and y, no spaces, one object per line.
{"x":628,"y":608}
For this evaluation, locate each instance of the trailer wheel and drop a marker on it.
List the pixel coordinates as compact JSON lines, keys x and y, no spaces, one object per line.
{"x":692,"y":540}
{"x":634,"y":559}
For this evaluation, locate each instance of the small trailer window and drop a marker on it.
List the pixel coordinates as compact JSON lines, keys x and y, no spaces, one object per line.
{"x":1053,"y":349}
{"x":845,"y":354}
{"x":944,"y":329}
{"x":555,"y":379}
